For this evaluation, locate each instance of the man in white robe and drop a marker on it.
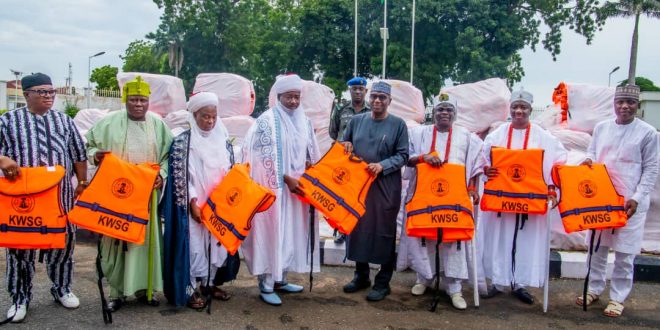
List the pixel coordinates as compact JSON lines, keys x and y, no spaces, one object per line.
{"x":465,"y":149}
{"x":629,"y":149}
{"x":278,"y":147}
{"x":496,"y":230}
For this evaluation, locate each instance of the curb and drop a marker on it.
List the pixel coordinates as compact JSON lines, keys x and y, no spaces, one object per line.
{"x":563,"y":264}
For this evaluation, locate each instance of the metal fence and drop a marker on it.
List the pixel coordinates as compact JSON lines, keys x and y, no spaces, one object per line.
{"x":95,"y":92}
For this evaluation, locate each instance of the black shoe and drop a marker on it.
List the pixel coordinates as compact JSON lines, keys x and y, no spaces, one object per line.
{"x":144,"y":300}
{"x":340,"y":239}
{"x":378,"y":294}
{"x":523,"y":295}
{"x":492,"y":292}
{"x":356,"y":285}
{"x":115,"y":304}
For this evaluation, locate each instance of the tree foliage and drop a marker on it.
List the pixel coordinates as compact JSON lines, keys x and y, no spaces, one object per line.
{"x":645,"y":84}
{"x":461,"y":40}
{"x":142,"y":56}
{"x":634,"y":9}
{"x":105,"y":77}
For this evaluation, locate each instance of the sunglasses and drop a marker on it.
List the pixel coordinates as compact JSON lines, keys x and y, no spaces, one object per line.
{"x":43,"y":92}
{"x":381,"y":97}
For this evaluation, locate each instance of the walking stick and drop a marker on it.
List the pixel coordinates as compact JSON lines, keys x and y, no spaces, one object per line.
{"x":546,"y":285}
{"x":475,"y":280}
{"x":312,"y":238}
{"x":152,"y":233}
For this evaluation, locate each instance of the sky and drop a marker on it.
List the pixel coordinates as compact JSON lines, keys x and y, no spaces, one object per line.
{"x":37,"y":36}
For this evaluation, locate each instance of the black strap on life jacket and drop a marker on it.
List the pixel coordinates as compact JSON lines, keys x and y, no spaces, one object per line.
{"x":105,"y":311}
{"x":521,"y":218}
{"x":585,"y":288}
{"x":436,"y":298}
{"x":311,"y":247}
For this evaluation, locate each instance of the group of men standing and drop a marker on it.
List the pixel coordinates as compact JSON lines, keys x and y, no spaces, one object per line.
{"x":279,"y":147}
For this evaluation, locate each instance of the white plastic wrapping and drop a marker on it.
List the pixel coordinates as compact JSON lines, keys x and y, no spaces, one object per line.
{"x":177,"y":119}
{"x":407,"y":101}
{"x":588,"y":105}
{"x":86,"y":118}
{"x":480,"y":104}
{"x":167,"y":92}
{"x":235,"y":93}
{"x":237,"y":126}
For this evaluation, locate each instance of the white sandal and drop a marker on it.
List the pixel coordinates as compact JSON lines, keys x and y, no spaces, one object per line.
{"x":614,"y":309}
{"x":591,"y":298}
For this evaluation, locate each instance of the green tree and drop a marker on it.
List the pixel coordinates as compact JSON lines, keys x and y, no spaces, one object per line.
{"x":645,"y":84}
{"x":105,"y":77}
{"x":632,"y":8}
{"x":461,"y":40}
{"x":142,"y":56}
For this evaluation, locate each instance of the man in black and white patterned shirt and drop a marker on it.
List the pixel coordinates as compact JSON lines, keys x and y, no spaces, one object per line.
{"x":32,"y":136}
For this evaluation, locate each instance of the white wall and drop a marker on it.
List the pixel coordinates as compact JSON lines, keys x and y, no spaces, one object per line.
{"x":80,"y":101}
{"x":650,"y":108}
{"x":3,"y":95}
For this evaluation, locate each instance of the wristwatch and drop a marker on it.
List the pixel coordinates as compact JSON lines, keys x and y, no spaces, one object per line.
{"x":83,"y":183}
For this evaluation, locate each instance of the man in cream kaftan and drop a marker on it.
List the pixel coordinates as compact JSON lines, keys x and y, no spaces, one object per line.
{"x":277,"y":147}
{"x":629,"y":149}
{"x":418,"y":254}
{"x":496,"y":230}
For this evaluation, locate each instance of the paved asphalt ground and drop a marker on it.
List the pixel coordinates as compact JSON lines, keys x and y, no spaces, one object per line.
{"x":327,"y":307}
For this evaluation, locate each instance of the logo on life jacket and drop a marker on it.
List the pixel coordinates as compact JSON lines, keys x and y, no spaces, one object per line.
{"x":516,"y":172}
{"x":440,"y":187}
{"x":341,"y":175}
{"x":122,"y":188}
{"x":233,"y":196}
{"x":23,"y":204}
{"x":587,"y":188}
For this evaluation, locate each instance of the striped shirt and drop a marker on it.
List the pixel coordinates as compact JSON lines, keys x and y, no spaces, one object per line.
{"x":33,"y":140}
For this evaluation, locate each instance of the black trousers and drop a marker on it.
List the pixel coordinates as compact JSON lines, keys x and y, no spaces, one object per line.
{"x":384,"y":275}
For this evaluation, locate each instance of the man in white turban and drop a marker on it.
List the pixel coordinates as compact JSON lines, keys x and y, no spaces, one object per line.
{"x":199,"y":159}
{"x":278,"y":147}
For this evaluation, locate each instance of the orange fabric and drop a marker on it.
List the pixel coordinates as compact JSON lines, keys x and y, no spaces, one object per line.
{"x":229,"y":210}
{"x":31,"y":214}
{"x":588,"y":198}
{"x":519,"y":187}
{"x":560,"y":98}
{"x":116,"y":202}
{"x":337,"y":186}
{"x":440,"y":200}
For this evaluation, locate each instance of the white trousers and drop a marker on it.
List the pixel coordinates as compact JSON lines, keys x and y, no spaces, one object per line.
{"x":622,"y":276}
{"x":451,"y":285}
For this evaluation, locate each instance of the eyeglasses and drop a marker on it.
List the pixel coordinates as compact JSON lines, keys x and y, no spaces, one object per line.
{"x":381,"y":97}
{"x":43,"y":92}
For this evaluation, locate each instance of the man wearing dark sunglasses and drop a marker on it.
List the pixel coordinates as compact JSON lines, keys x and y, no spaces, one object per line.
{"x":342,"y":115}
{"x":34,"y":136}
{"x":381,"y":139}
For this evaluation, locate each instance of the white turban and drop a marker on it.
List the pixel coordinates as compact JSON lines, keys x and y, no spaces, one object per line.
{"x":288,"y":83}
{"x":202,"y":99}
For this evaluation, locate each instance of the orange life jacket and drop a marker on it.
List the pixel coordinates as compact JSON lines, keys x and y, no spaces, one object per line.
{"x":116,"y":202}
{"x":440,"y":200}
{"x":588,"y":198}
{"x":31,"y":214}
{"x":519,"y":187}
{"x":229,"y":210}
{"x":337,"y":186}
